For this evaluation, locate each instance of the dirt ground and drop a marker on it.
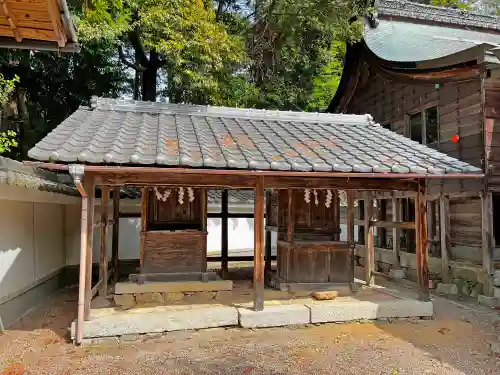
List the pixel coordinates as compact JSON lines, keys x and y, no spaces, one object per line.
{"x":456,"y":342}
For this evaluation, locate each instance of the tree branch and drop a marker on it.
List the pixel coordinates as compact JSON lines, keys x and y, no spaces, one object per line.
{"x":124,"y":60}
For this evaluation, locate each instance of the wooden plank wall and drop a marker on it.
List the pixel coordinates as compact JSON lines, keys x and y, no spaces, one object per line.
{"x":492,"y":131}
{"x":460,"y":110}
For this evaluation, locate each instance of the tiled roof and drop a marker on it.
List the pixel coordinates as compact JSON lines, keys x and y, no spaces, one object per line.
{"x":140,"y":133}
{"x":424,"y":12}
{"x":14,"y":173}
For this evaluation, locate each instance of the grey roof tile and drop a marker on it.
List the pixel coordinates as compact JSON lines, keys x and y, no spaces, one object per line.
{"x":129,"y":132}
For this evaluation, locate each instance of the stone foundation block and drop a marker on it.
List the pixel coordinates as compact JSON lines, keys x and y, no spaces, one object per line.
{"x":111,"y":340}
{"x":274,"y":316}
{"x":365,"y":310}
{"x":172,"y":296}
{"x":153,"y":298}
{"x":496,"y":280}
{"x":224,"y":295}
{"x":160,"y":319}
{"x":397,"y":274}
{"x":448,"y":289}
{"x":130,"y":338}
{"x":487,"y":301}
{"x":124,"y":300}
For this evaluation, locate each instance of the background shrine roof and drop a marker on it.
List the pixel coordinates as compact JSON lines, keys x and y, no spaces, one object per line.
{"x":123,"y":132}
{"x":404,"y":31}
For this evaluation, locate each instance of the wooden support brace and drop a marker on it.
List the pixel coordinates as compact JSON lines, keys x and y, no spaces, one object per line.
{"x":268,"y":244}
{"x":144,"y":223}
{"x":369,"y":240}
{"x":258,"y":268}
{"x":396,"y":233}
{"x":487,"y":239}
{"x":103,"y":261}
{"x":204,"y":210}
{"x":421,"y":242}
{"x":224,"y":234}
{"x":444,"y":234}
{"x":350,"y":228}
{"x":115,"y":260}
{"x":90,"y":189}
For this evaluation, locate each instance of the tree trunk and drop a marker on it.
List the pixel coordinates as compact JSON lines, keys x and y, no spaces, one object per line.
{"x":149,"y":78}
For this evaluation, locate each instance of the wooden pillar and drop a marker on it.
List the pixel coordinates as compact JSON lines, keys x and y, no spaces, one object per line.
{"x":290,"y":233}
{"x":115,"y":260}
{"x":444,"y":234}
{"x":361,"y":228}
{"x":90,"y":189}
{"x":487,"y":239}
{"x":268,"y":239}
{"x":421,"y":242}
{"x":224,"y":247}
{"x":258,"y":267}
{"x":369,"y":244}
{"x":382,"y":216}
{"x":144,"y":223}
{"x":396,"y":233}
{"x":350,"y":227}
{"x":431,"y":227}
{"x":82,"y":290}
{"x":336,"y":214}
{"x":103,"y":261}
{"x":203,"y":197}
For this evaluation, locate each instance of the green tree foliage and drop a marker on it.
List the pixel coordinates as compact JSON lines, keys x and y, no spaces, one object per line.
{"x":7,"y":138}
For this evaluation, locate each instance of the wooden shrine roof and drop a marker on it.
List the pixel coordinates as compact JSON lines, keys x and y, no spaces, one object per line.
{"x":405,"y":31}
{"x":37,"y":24}
{"x":124,"y":132}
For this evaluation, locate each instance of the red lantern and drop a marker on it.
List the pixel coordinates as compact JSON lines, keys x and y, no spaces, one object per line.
{"x":455,"y":138}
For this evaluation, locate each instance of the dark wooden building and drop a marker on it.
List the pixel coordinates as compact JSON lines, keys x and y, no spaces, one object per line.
{"x":433,"y":75}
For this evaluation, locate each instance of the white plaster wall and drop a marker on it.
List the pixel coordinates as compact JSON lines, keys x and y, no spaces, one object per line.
{"x":31,"y":243}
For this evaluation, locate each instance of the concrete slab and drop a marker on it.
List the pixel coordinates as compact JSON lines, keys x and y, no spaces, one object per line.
{"x":158,"y":320}
{"x":358,"y":310}
{"x":171,"y":287}
{"x":274,"y":316}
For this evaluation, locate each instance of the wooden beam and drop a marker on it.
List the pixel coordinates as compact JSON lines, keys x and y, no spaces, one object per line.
{"x":290,"y":232}
{"x":385,"y":224}
{"x":90,"y":189}
{"x":144,"y":223}
{"x":115,"y":259}
{"x":224,"y":247}
{"x":11,"y":19}
{"x":421,"y":242}
{"x":350,"y":228}
{"x":444,"y":233}
{"x":55,"y":18}
{"x":103,"y":261}
{"x":487,"y":239}
{"x":268,"y":245}
{"x":204,"y":209}
{"x":369,"y":241}
{"x":396,"y":233}
{"x":258,"y":268}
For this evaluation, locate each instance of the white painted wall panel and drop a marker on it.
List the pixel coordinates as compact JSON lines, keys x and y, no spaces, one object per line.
{"x":17,"y":254}
{"x":49,"y":238}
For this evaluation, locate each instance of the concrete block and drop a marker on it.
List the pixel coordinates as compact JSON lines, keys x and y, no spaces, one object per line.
{"x":397,"y":274}
{"x":496,"y":292}
{"x":224,"y":295}
{"x":274,"y":316}
{"x":172,"y":296}
{"x":124,"y":300}
{"x":365,"y":310}
{"x":487,"y":301}
{"x":175,"y":286}
{"x":448,"y":289}
{"x":145,"y":298}
{"x":158,"y":319}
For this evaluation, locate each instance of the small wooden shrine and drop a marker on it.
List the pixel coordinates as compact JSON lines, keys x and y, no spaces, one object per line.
{"x":174,"y":231}
{"x":309,"y":247}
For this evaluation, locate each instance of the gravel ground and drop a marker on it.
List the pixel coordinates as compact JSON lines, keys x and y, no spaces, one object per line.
{"x":456,"y":342}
